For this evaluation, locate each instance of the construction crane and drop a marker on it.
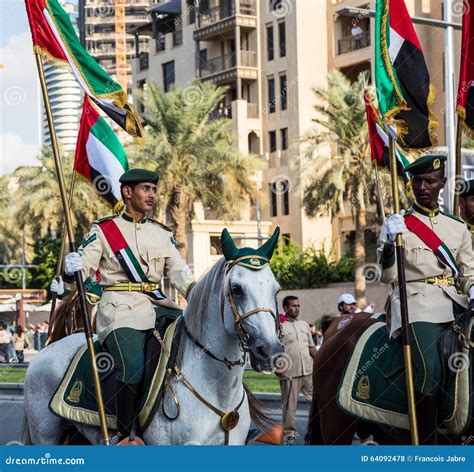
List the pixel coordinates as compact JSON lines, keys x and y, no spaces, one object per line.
{"x":121,"y":43}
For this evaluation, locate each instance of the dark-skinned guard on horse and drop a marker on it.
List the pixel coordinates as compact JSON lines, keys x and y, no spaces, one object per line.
{"x":127,"y":248}
{"x":439,"y":269}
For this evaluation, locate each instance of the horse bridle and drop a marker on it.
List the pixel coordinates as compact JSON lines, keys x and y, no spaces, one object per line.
{"x":238,"y":317}
{"x":239,"y":327}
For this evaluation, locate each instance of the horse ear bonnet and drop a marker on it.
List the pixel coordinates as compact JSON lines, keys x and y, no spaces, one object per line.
{"x":247,"y":256}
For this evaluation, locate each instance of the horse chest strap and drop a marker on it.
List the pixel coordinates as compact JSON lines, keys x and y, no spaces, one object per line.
{"x":230,"y":420}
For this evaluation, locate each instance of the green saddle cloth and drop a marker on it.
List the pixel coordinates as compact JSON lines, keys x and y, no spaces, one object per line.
{"x":373,"y":386}
{"x":75,"y":400}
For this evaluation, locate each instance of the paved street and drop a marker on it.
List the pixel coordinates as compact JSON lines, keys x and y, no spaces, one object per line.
{"x":11,"y":411}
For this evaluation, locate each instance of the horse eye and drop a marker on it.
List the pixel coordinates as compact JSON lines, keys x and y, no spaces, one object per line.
{"x":237,"y":290}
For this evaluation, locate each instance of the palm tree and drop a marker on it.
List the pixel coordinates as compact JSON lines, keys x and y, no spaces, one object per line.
{"x":195,"y":155}
{"x":35,"y":204}
{"x":347,"y":177}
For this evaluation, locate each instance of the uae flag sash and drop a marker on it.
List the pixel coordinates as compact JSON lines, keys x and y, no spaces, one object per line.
{"x":404,"y":91}
{"x":100,"y":158}
{"x":126,"y":257}
{"x":55,"y":38}
{"x":379,"y":142}
{"x":465,"y":104}
{"x":430,"y":238}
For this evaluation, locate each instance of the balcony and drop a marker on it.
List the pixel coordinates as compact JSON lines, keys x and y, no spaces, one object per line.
{"x":223,"y":69}
{"x":225,"y":17}
{"x":350,"y":44}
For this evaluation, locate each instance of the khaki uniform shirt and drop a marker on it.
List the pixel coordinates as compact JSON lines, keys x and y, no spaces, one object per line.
{"x":154,"y":247}
{"x":430,"y":302}
{"x":296,"y":336}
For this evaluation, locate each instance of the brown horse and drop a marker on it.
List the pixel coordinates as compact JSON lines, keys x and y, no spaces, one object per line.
{"x":67,"y":319}
{"x":329,"y":424}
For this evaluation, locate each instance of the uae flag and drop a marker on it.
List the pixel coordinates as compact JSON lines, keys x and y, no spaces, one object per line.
{"x":55,"y":38}
{"x":465,"y":104}
{"x":100,"y":158}
{"x":379,"y":142}
{"x":404,"y":91}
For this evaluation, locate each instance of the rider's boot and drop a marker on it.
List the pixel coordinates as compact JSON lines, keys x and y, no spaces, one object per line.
{"x":427,"y":418}
{"x":126,"y":407}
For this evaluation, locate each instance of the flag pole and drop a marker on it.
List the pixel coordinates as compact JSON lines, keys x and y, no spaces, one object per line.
{"x":73,"y":248}
{"x":403,"y":299}
{"x":457,"y":173}
{"x":62,"y":250}
{"x":379,"y":190}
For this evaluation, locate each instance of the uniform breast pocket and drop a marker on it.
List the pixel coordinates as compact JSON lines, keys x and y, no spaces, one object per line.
{"x":413,"y":250}
{"x":156,"y":260}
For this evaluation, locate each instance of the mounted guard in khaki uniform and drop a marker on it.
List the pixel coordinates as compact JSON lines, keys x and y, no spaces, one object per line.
{"x":439,"y":269}
{"x":131,"y":252}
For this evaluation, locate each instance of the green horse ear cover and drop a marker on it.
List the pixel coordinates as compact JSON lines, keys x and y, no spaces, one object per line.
{"x":232,"y":252}
{"x":269,"y":247}
{"x":229,"y":249}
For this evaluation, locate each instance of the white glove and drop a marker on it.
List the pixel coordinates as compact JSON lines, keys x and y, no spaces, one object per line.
{"x":392,"y":226}
{"x":73,"y":263}
{"x":57,"y":287}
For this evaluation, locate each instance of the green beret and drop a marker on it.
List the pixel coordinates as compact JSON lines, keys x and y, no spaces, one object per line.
{"x":137,"y":176}
{"x":426,"y":164}
{"x":467,"y":188}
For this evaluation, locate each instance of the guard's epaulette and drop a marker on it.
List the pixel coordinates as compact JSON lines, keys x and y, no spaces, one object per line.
{"x":160,"y":224}
{"x":104,"y":219}
{"x":449,"y":215}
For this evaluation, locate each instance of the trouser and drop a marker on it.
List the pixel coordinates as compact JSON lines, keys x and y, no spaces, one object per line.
{"x":426,"y":356}
{"x":20,"y":356}
{"x":4,"y":352}
{"x":290,"y":389}
{"x":427,"y":369}
{"x":126,"y":345}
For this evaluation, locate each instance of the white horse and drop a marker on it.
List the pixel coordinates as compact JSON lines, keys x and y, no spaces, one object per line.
{"x":231,"y":307}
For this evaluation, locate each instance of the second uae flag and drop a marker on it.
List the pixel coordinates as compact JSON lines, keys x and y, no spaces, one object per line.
{"x":404,"y":91}
{"x":465,"y":104}
{"x":100,"y":158}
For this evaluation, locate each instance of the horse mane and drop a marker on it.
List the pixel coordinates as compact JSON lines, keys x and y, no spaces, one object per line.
{"x":207,"y":289}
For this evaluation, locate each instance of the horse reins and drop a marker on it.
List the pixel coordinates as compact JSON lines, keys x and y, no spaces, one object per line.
{"x":229,"y":419}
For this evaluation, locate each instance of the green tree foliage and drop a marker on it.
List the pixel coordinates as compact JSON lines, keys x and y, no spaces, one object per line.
{"x":297,"y":268}
{"x":344,"y":180}
{"x":195,"y":155}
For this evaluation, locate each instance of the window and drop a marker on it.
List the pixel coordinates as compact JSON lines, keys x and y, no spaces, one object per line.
{"x":282,"y":38}
{"x":160,"y":44}
{"x":191,"y":10}
{"x":283,"y":92}
{"x":273,"y":199}
{"x":271,"y":95}
{"x":168,"y":75}
{"x":270,"y":46}
{"x":284,"y":139}
{"x":286,"y":239}
{"x":285,"y":197}
{"x":272,"y":141}
{"x":141,"y":84}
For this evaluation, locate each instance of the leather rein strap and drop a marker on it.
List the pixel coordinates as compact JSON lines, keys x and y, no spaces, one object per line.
{"x":229,"y":419}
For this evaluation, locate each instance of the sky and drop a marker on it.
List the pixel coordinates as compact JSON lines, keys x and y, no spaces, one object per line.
{"x":19,"y":119}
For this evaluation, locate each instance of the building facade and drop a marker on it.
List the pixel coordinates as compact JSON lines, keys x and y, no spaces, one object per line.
{"x":66,"y":97}
{"x":105,"y":26}
{"x":270,"y":54}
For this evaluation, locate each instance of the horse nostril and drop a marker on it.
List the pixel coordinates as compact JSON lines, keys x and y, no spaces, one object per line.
{"x":260,"y":352}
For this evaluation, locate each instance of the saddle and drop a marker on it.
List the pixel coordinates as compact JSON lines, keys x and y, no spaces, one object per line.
{"x":75,"y":399}
{"x":373,"y":386}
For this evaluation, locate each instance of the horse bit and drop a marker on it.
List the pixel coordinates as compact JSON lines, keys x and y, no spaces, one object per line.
{"x":230,"y":419}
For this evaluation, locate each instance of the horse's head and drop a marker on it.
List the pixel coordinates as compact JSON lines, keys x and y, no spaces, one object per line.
{"x":248,"y":305}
